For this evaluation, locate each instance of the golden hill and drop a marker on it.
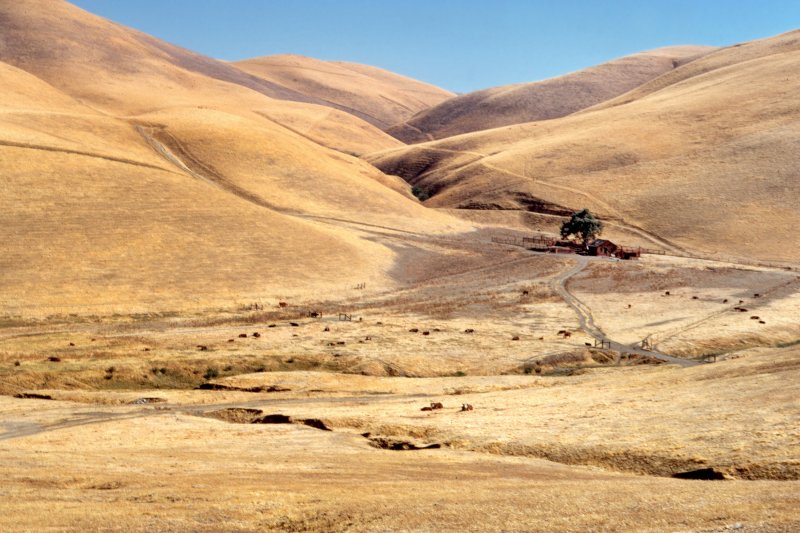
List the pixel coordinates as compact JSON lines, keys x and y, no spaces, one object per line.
{"x":139,"y":177}
{"x":542,"y":100}
{"x":380,"y":97}
{"x":705,"y":157}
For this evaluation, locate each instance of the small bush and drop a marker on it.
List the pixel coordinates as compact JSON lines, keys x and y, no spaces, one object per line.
{"x":420,"y":193}
{"x":211,"y":373}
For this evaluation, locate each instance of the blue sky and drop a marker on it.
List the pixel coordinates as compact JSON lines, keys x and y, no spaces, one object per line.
{"x":461,"y":45}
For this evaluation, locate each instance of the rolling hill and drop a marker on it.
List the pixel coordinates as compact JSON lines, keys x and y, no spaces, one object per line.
{"x":140,"y":176}
{"x":704,"y":156}
{"x":380,"y":97}
{"x":542,"y":100}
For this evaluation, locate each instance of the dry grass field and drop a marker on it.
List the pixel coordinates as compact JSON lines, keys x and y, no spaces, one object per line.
{"x":380,"y":97}
{"x":707,"y":161}
{"x":542,"y":100}
{"x":216,"y":316}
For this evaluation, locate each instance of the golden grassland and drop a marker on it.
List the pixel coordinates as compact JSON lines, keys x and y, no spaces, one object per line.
{"x":706,"y":162}
{"x":543,"y":100}
{"x":380,"y":97}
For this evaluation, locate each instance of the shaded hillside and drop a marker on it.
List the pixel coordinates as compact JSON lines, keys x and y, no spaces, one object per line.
{"x":380,"y":97}
{"x":542,"y":100}
{"x":705,"y":157}
{"x":133,"y":183}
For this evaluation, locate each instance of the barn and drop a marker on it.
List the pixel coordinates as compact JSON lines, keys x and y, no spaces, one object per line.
{"x":603,"y":247}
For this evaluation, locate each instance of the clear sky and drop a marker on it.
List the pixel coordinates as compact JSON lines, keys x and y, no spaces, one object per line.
{"x":461,"y":45}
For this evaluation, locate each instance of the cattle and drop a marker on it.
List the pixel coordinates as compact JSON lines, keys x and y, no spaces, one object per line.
{"x":629,"y":306}
{"x":256,"y":334}
{"x":756,"y":295}
{"x":326,"y":328}
{"x":755,"y":318}
{"x":414,"y":330}
{"x":742,"y":310}
{"x":72,"y":344}
{"x":272,"y":326}
{"x":694,"y":297}
{"x":202,"y":348}
{"x":565,"y":333}
{"x":230,"y":340}
{"x":515,"y":338}
{"x":469,"y":330}
{"x":437,"y":405}
{"x":315,"y":314}
{"x":541,"y":338}
{"x":761,"y":322}
{"x":378,"y":323}
{"x":466,"y":407}
{"x":54,"y":359}
{"x":524,"y":293}
{"x":282,"y":304}
{"x":725,"y":301}
{"x":367,"y":338}
{"x":242,"y":335}
{"x":294,"y":324}
{"x":666,"y":293}
{"x":146,"y":350}
{"x":741,"y":301}
{"x":426,"y":333}
{"x":587,"y":343}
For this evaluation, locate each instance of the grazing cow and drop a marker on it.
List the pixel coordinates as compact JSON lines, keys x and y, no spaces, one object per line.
{"x":368,"y":338}
{"x":629,"y":306}
{"x":666,"y":293}
{"x":755,"y":318}
{"x":256,"y":334}
{"x":282,"y":304}
{"x":515,"y":338}
{"x":741,"y":301}
{"x":230,"y":340}
{"x":466,"y":407}
{"x":756,"y":295}
{"x":72,"y":344}
{"x":272,"y":326}
{"x":294,"y":324}
{"x":429,"y":408}
{"x":469,"y":330}
{"x":541,"y":338}
{"x":242,"y":335}
{"x":587,"y":343}
{"x":761,"y":322}
{"x":426,"y":332}
{"x":315,"y":314}
{"x":742,"y":310}
{"x":436,"y":330}
{"x":567,"y":334}
{"x":694,"y":297}
{"x":378,"y":323}
{"x":414,"y":330}
{"x":326,"y":328}
{"x":524,"y":293}
{"x":202,"y":348}
{"x":437,"y":405}
{"x":725,"y":301}
{"x":146,"y":350}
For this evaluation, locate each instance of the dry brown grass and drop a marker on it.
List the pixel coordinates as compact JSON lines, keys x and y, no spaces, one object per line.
{"x":379,"y":97}
{"x":542,"y":100}
{"x":707,"y":161}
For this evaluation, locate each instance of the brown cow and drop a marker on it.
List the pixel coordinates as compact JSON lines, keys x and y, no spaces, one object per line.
{"x":515,"y":338}
{"x":282,"y":304}
{"x":242,"y":335}
{"x":256,"y":334}
{"x":467,"y":407}
{"x":469,"y":330}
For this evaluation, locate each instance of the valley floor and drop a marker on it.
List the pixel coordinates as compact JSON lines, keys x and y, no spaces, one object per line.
{"x":316,"y":423}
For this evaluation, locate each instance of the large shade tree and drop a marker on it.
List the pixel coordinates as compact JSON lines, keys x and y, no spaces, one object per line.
{"x":582,"y":225}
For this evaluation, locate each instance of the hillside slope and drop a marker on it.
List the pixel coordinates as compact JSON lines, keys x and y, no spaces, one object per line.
{"x":705,"y":157}
{"x":133,"y":183}
{"x":542,"y":100}
{"x":380,"y":97}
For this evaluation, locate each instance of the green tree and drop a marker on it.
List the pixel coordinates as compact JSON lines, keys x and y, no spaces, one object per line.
{"x":583,"y":225}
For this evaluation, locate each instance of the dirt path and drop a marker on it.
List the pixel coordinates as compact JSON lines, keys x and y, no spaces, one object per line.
{"x":587,"y":323}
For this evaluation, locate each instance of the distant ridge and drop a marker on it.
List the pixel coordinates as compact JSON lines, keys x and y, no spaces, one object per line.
{"x":378,"y":96}
{"x":542,"y":100}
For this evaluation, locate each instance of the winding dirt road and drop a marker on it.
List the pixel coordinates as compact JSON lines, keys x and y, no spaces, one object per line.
{"x":587,"y":323}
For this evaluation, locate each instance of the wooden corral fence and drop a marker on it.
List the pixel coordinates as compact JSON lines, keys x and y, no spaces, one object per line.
{"x":602,"y":343}
{"x":507,"y":239}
